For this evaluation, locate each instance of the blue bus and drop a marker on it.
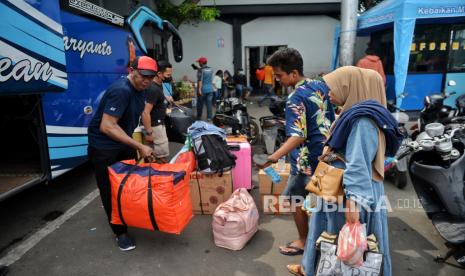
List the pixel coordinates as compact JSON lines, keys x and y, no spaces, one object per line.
{"x":56,"y":60}
{"x":422,"y":46}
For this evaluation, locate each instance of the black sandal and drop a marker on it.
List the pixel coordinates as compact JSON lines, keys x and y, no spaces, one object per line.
{"x":298,"y":251}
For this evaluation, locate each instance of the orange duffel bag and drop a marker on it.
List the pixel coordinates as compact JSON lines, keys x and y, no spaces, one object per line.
{"x":151,"y":196}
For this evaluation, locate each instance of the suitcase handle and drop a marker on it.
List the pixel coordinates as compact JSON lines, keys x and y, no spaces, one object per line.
{"x":234,"y":147}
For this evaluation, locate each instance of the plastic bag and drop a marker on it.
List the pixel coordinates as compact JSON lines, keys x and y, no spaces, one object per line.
{"x":352,"y":244}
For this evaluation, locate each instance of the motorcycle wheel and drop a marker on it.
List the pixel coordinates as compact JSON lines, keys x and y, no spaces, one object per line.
{"x":400,"y":178}
{"x":254,"y":132}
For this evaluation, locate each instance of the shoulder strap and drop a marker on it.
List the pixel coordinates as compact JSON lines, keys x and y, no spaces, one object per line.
{"x":200,"y":191}
{"x":330,"y":156}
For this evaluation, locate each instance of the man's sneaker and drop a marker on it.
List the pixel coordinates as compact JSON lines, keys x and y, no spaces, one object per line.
{"x":125,"y":243}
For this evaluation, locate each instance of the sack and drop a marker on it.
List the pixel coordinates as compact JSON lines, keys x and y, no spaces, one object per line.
{"x":326,"y":181}
{"x":151,"y":196}
{"x":235,"y":221}
{"x":328,"y":263}
{"x":187,"y":157}
{"x":352,"y":243}
{"x":212,"y":154}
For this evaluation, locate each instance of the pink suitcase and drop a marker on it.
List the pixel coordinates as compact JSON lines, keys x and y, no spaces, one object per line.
{"x":242,"y":173}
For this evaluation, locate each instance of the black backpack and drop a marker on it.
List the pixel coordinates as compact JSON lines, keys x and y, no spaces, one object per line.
{"x":212,"y":154}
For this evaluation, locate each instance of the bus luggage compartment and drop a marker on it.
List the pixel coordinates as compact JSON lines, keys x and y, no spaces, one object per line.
{"x":22,"y":143}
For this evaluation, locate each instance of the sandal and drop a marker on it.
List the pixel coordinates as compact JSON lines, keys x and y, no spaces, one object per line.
{"x":297,"y":251}
{"x":295,"y":269}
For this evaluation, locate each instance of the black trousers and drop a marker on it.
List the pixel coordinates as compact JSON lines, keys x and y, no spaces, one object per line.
{"x":101,"y":159}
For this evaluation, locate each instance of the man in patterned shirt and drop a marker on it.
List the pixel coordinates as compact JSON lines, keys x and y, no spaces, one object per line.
{"x":309,"y":115}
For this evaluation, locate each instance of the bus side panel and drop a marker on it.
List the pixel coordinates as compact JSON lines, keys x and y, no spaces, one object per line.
{"x":96,"y":54}
{"x":32,"y":58}
{"x":418,"y":86}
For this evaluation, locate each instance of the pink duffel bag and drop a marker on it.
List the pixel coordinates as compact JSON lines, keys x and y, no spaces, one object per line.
{"x":235,"y":221}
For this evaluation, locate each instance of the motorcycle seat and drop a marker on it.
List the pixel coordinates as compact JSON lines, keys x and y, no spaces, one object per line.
{"x":450,"y":229}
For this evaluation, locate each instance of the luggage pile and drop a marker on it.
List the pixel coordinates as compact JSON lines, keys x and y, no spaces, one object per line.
{"x":210,"y":175}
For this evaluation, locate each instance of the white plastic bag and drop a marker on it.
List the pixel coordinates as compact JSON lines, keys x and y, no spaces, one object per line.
{"x":352,"y":244}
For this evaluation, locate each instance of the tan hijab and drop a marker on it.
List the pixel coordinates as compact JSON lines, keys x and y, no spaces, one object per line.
{"x":351,"y":85}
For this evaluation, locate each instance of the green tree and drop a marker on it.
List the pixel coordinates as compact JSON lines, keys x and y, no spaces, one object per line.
{"x":364,"y":5}
{"x":188,"y":11}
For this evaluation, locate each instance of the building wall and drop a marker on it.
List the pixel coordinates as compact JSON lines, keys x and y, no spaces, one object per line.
{"x":202,"y":40}
{"x":312,"y":36}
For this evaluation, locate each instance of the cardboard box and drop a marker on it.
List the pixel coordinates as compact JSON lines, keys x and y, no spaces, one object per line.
{"x":213,"y":190}
{"x":266,"y":187}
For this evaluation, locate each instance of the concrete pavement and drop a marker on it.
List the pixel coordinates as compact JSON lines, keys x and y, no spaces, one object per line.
{"x":84,"y":245}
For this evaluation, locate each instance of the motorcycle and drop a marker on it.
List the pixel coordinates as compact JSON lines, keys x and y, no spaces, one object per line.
{"x":274,"y":127}
{"x":231,"y":115}
{"x":437,"y":169}
{"x":435,"y":111}
{"x":397,"y":171}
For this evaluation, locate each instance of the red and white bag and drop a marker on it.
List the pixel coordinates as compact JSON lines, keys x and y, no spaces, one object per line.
{"x":352,"y":243}
{"x":235,"y":221}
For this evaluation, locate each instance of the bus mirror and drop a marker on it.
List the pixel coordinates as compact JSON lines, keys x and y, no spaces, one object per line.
{"x":177,"y":48}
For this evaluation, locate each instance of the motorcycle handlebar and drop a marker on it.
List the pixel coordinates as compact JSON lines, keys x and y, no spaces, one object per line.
{"x":395,"y":107}
{"x":403,"y":153}
{"x":457,"y":119}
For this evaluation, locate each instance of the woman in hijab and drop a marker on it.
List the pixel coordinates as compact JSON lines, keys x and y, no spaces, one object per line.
{"x":363,"y":134}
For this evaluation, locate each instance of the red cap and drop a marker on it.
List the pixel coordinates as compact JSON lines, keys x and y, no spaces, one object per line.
{"x":146,"y":66}
{"x":202,"y":60}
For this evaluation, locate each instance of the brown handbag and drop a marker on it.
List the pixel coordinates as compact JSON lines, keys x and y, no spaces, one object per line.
{"x":326,"y":181}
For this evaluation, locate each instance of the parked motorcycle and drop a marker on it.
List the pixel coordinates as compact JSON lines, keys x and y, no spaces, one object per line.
{"x":435,"y":111}
{"x":232,"y":116}
{"x":397,"y":171}
{"x":460,"y":105}
{"x":437,"y":169}
{"x":274,"y":127}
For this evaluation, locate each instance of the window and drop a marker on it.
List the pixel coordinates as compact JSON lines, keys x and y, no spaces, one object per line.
{"x":154,"y":42}
{"x":457,"y":49}
{"x":428,"y":52}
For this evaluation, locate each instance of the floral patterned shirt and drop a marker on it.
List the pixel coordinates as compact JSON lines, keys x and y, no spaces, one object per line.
{"x":309,"y":115}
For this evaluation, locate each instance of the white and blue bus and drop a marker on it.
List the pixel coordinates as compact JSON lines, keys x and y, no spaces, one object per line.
{"x":56,"y":60}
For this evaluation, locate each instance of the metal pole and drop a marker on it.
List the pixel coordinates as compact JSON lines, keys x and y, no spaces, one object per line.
{"x":349,"y":10}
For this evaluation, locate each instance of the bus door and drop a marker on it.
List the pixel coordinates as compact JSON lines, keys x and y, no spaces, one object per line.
{"x":32,"y":62}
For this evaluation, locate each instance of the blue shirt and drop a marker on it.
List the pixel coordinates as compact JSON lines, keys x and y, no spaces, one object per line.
{"x":206,"y":76}
{"x":309,"y":115}
{"x":123,"y":101}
